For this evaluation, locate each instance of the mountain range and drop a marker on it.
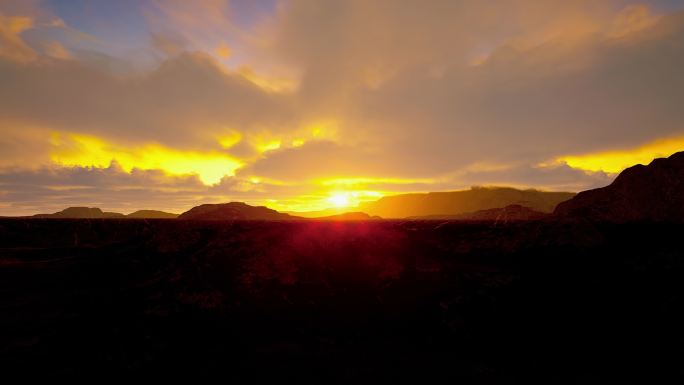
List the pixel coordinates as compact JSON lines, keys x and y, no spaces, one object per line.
{"x":94,"y":213}
{"x":640,"y":193}
{"x":470,"y":204}
{"x":454,"y":203}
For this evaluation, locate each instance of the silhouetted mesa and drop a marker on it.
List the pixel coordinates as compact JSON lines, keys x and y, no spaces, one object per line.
{"x":97,"y":213}
{"x":81,"y":212}
{"x":463,"y":202}
{"x":234,"y":211}
{"x":510,"y":213}
{"x":640,"y":193}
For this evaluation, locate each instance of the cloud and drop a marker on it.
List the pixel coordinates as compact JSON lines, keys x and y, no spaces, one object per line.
{"x":557,"y":177}
{"x":632,"y":19}
{"x":316,"y":160}
{"x":394,"y":96}
{"x":12,"y":46}
{"x":50,"y":189}
{"x":616,"y":161}
{"x":553,"y":81}
{"x":56,"y":50}
{"x":186,"y":102}
{"x":77,"y":150}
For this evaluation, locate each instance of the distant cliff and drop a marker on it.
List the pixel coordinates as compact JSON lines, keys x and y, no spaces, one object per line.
{"x":640,"y":193}
{"x":462,"y":202}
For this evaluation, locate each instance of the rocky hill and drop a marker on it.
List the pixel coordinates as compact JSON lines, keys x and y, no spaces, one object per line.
{"x":152,"y":214}
{"x":640,"y":193}
{"x":81,"y":212}
{"x":234,"y":211}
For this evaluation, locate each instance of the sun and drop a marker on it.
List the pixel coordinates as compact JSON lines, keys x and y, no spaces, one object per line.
{"x":339,"y":200}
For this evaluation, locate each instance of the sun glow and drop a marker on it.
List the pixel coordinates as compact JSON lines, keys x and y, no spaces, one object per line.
{"x":339,"y":200}
{"x":348,"y":199}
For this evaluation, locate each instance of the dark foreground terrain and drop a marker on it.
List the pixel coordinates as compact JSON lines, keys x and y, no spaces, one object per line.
{"x":342,"y":302}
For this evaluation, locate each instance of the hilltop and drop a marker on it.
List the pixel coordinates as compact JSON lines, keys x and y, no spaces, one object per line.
{"x":234,"y":211}
{"x":97,"y":213}
{"x":640,"y":193}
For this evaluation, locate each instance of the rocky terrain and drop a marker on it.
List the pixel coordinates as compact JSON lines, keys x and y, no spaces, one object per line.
{"x":653,"y":193}
{"x":324,"y":302}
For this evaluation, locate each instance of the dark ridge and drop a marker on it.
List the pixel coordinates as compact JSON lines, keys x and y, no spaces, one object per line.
{"x":503,"y":214}
{"x":234,"y":211}
{"x":653,"y":193}
{"x":152,"y":214}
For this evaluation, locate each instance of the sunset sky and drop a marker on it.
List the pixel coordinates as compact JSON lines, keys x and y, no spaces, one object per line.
{"x":304,"y":105}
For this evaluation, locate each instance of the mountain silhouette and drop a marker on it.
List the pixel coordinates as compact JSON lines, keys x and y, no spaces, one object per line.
{"x":81,"y":212}
{"x":152,"y":214}
{"x":509,"y":213}
{"x":462,"y":202}
{"x":95,"y":213}
{"x":640,"y":193}
{"x":234,"y":211}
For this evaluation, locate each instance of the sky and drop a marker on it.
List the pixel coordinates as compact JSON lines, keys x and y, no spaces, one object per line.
{"x":306,"y":105}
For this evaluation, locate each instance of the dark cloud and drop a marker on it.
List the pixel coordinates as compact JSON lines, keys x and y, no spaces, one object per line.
{"x":185,"y":102}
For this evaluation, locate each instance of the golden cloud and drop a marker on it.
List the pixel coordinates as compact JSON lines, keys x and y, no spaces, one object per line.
{"x":618,"y":160}
{"x":91,"y":151}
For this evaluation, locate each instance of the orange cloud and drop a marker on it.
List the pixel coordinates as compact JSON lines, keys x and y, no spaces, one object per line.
{"x":633,"y":18}
{"x":223,"y":51}
{"x":12,"y":46}
{"x":57,"y":51}
{"x":267,"y":83}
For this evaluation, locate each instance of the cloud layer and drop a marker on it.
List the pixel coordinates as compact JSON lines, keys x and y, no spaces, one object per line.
{"x":302,"y":99}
